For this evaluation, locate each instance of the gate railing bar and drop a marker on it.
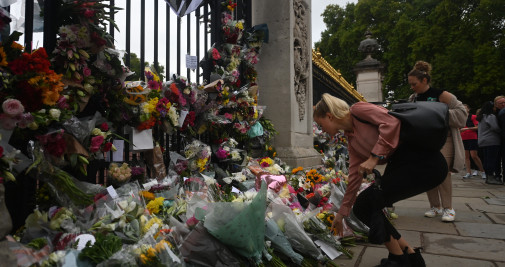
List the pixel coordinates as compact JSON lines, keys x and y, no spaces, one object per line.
{"x":128,"y":30}
{"x":28,"y":25}
{"x":179,"y":21}
{"x":142,"y":38}
{"x":197,"y":25}
{"x":206,"y":76}
{"x":188,"y":44}
{"x":167,"y":43}
{"x":50,"y":14}
{"x":111,"y":26}
{"x":156,"y":63}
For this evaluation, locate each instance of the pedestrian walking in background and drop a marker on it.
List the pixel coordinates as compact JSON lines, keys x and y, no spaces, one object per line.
{"x":469,"y":136}
{"x":373,"y":138}
{"x":499,"y":107}
{"x":489,"y":139}
{"x":440,"y":198}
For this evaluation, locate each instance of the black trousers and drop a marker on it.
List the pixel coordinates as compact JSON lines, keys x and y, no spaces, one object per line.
{"x":408,"y":173}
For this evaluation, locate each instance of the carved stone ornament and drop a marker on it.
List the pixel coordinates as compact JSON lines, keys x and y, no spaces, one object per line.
{"x":301,"y":55}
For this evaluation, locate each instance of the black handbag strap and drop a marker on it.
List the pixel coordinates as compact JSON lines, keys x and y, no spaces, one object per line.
{"x":361,"y":120}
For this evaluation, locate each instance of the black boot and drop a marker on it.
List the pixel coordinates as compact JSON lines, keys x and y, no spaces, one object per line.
{"x":395,"y":261}
{"x":416,"y":259}
{"x":491,"y":179}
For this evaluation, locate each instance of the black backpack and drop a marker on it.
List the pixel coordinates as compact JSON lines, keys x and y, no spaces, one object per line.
{"x":424,"y":124}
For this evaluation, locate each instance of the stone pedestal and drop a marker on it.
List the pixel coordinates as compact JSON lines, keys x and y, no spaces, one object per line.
{"x":285,"y":77}
{"x":369,"y":79}
{"x":369,"y":71}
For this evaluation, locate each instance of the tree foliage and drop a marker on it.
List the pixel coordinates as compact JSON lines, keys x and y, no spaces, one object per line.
{"x":464,"y":41}
{"x":135,"y":67}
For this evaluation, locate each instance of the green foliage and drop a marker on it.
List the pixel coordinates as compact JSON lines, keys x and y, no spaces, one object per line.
{"x":463,"y":40}
{"x":104,"y":247}
{"x":135,"y":67}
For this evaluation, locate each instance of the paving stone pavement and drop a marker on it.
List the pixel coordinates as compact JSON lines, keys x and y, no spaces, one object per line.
{"x":476,"y":238}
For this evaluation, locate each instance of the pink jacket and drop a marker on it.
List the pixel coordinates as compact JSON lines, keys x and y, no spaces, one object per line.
{"x":380,"y":136}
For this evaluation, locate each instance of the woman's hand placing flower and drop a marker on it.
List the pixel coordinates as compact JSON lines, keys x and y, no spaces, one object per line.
{"x":337,"y":228}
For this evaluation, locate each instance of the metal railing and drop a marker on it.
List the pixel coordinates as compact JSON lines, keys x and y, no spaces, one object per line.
{"x":197,"y":30}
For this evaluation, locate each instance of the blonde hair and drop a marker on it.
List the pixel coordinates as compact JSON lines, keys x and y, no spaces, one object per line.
{"x":497,"y":98}
{"x":330,"y":104}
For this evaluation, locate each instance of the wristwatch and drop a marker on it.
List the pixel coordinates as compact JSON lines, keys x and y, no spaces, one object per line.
{"x":377,"y":156}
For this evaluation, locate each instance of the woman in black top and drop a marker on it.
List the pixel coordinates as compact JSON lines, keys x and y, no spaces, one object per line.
{"x":440,"y":198}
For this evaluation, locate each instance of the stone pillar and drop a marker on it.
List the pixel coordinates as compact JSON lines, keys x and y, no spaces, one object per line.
{"x":369,"y":71}
{"x":285,"y":77}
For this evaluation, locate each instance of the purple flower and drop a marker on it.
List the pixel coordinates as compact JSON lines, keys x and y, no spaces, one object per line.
{"x":137,"y":171}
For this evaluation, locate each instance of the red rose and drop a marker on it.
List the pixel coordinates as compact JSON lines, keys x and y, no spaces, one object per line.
{"x":104,"y":127}
{"x":107,"y":147}
{"x":96,"y":142}
{"x":1,"y":151}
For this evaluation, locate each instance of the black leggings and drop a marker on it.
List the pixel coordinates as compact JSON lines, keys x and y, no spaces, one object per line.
{"x":409,"y":172}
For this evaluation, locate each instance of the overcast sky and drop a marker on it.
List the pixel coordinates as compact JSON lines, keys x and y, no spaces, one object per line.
{"x":318,"y":7}
{"x":318,"y":26}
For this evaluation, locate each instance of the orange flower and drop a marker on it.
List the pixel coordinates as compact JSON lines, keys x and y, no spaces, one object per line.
{"x":297,"y":169}
{"x":17,"y":46}
{"x":3,"y":58}
{"x":148,"y":195}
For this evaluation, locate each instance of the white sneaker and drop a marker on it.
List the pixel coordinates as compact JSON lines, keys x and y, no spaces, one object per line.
{"x":433,"y":212}
{"x":449,"y":215}
{"x":483,"y":175}
{"x":475,"y":173}
{"x":467,"y":175}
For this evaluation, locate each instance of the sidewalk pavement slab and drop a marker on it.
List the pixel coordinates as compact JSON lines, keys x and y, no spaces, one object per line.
{"x":495,"y":201}
{"x":487,"y":208}
{"x":470,"y":192}
{"x":480,"y":230}
{"x":476,"y":238}
{"x":464,"y":247}
{"x":497,"y":218}
{"x":413,"y":219}
{"x":463,"y":215}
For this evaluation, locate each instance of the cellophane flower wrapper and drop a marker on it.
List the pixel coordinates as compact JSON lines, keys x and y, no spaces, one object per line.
{"x":77,"y":197}
{"x":201,"y":248}
{"x":120,"y":215}
{"x":154,"y":159}
{"x":198,"y":155}
{"x":77,"y":128}
{"x":274,"y":182}
{"x":336,"y":197}
{"x":27,"y":256}
{"x":239,"y":225}
{"x":280,"y":242}
{"x":294,"y":232}
{"x":127,"y":256}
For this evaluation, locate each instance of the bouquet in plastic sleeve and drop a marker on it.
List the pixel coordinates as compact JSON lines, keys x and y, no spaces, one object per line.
{"x":313,"y":225}
{"x":154,"y":159}
{"x":337,"y":195}
{"x":66,"y":189}
{"x":151,"y":252}
{"x":198,"y":154}
{"x":201,"y":248}
{"x":240,"y":225}
{"x":274,"y":182}
{"x":294,"y":231}
{"x":227,"y":151}
{"x":119,"y":174}
{"x":280,"y":243}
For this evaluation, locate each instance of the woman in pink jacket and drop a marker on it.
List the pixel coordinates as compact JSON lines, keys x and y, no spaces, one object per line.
{"x":373,"y":138}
